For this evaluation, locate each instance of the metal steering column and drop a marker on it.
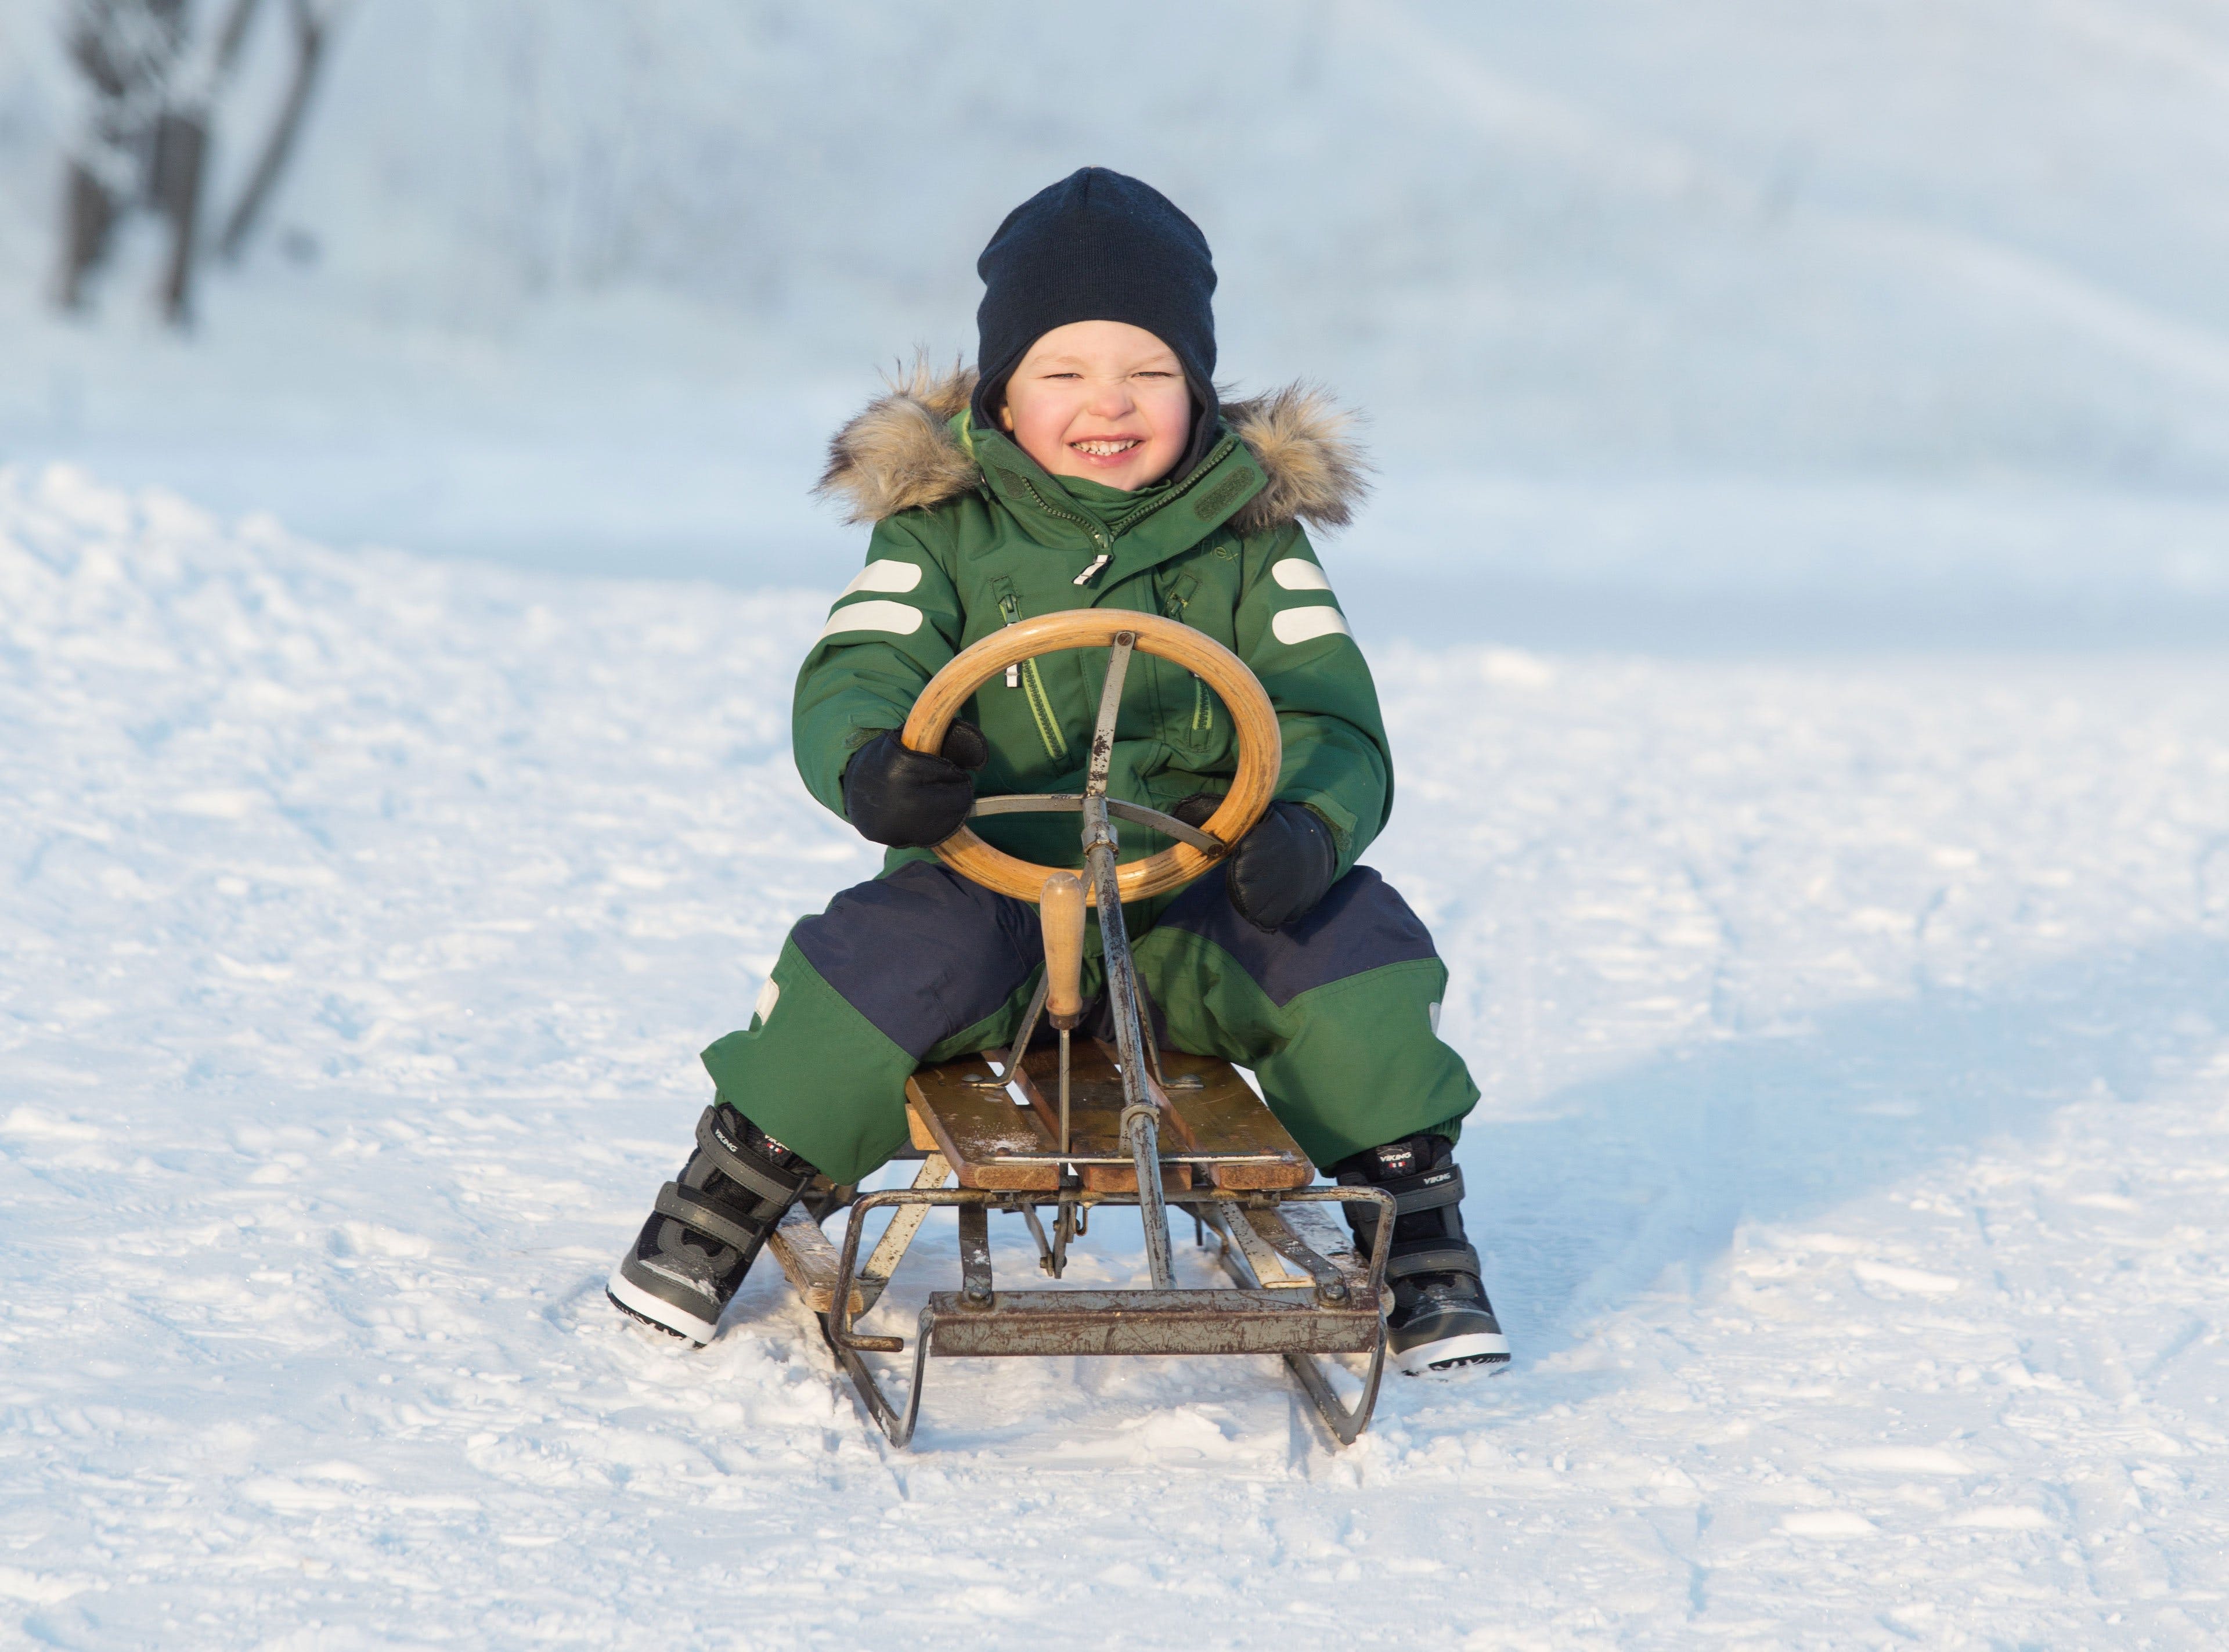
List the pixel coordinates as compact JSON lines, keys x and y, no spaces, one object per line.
{"x":1140,"y":1123}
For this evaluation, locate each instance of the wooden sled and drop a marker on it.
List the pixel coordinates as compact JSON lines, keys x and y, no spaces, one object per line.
{"x":1065,"y":1131}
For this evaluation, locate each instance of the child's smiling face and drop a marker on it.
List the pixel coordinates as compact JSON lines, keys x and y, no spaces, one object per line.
{"x":1101,"y":399}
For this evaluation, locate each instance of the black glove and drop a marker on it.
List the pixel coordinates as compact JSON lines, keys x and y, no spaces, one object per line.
{"x":910,"y":799}
{"x":1280,"y":869}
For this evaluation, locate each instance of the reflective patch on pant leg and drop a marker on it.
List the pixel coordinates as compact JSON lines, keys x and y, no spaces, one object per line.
{"x":1361,"y":924}
{"x":826,"y":1082}
{"x":770,"y":995}
{"x":1360,"y":1064}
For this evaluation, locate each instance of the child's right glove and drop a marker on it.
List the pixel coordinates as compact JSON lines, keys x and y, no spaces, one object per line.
{"x":910,"y":799}
{"x":1280,"y":869}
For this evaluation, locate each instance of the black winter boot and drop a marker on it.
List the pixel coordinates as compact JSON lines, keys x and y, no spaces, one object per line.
{"x":1441,"y":1319}
{"x":707,"y":1226}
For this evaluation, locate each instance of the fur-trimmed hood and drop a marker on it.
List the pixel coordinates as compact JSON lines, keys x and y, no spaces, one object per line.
{"x":898,"y":453}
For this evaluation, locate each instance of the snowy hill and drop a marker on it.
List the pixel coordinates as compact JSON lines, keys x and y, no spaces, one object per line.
{"x":1856,"y":1040}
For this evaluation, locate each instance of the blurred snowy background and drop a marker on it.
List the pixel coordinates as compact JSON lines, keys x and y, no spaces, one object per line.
{"x":1734,"y":326}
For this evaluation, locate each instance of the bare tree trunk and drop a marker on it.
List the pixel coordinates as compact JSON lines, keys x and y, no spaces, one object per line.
{"x":181,"y":161}
{"x":309,"y":54}
{"x":128,"y":51}
{"x":157,"y":84}
{"x":234,"y":34}
{"x":89,"y":214}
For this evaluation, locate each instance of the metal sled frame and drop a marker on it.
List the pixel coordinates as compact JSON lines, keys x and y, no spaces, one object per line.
{"x":1308,"y":1305}
{"x":995,"y":1130}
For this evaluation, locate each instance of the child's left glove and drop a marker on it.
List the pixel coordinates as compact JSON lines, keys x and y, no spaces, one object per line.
{"x":1279,"y":870}
{"x":910,"y":799}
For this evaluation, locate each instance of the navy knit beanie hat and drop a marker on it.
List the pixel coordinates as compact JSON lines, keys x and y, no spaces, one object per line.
{"x":1098,"y":246}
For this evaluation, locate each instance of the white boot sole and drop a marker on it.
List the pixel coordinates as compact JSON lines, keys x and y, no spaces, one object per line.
{"x":659,"y":1312}
{"x":1488,"y":1350}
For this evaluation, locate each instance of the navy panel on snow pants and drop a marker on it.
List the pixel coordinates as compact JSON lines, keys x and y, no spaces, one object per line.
{"x":1336,"y":1013}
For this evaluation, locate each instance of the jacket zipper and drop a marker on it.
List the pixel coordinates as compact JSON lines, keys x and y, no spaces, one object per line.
{"x":1099,"y":535}
{"x":1105,"y":537}
{"x":1033,"y":688}
{"x":1215,"y":456}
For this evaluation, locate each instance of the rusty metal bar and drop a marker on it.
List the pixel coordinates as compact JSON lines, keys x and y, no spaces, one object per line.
{"x":1145,"y":1025}
{"x":975,"y":1255}
{"x":1374,"y":1274}
{"x":1251,"y":1320}
{"x":1269,"y":1268}
{"x":840,"y":1332}
{"x":835,"y":1325}
{"x":905,"y":1223}
{"x":1111,"y":711}
{"x":1176,"y":1156}
{"x":897,"y":1426}
{"x":1064,"y":1034}
{"x":1344,"y":1422}
{"x":1140,"y":1124}
{"x":1069,"y":802}
{"x":1020,"y":1046}
{"x":1046,"y":1262}
{"x":1027,"y":1322}
{"x":1065,"y":1225}
{"x":1330,"y":1282}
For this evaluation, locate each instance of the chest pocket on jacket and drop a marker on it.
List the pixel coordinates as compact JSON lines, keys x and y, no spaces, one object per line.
{"x":1025,"y":678}
{"x":1198,"y":729}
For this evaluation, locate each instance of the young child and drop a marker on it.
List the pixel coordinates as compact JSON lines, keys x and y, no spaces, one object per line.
{"x":1088,"y":463}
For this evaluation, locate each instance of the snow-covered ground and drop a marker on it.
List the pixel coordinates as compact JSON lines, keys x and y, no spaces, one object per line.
{"x":1855,"y":1037}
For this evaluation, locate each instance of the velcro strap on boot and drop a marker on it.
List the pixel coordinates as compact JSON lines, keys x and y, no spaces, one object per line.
{"x":1434,"y":1190}
{"x":692,"y":1209}
{"x":762,"y":1178}
{"x":1441,"y":1259}
{"x":1427,"y":1192}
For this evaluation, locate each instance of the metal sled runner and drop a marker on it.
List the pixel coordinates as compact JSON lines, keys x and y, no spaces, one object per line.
{"x":1093,"y":1123}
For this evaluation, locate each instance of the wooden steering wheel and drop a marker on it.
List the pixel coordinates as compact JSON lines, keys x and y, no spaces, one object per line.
{"x":1260,"y":747}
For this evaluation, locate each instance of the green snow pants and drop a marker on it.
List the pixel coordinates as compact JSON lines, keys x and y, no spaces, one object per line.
{"x":1336,"y":1013}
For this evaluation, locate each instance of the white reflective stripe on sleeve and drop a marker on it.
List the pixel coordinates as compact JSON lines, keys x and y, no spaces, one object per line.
{"x":770,"y":995}
{"x":895,"y":617}
{"x":1306,"y":625}
{"x":884,"y":574}
{"x":1431,"y":1014}
{"x":1298,"y":574}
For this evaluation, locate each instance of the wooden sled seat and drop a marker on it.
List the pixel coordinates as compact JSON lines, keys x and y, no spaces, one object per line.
{"x":1215,"y":1131}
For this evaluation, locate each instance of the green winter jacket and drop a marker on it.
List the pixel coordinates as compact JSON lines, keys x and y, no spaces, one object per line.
{"x":970,"y":534}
